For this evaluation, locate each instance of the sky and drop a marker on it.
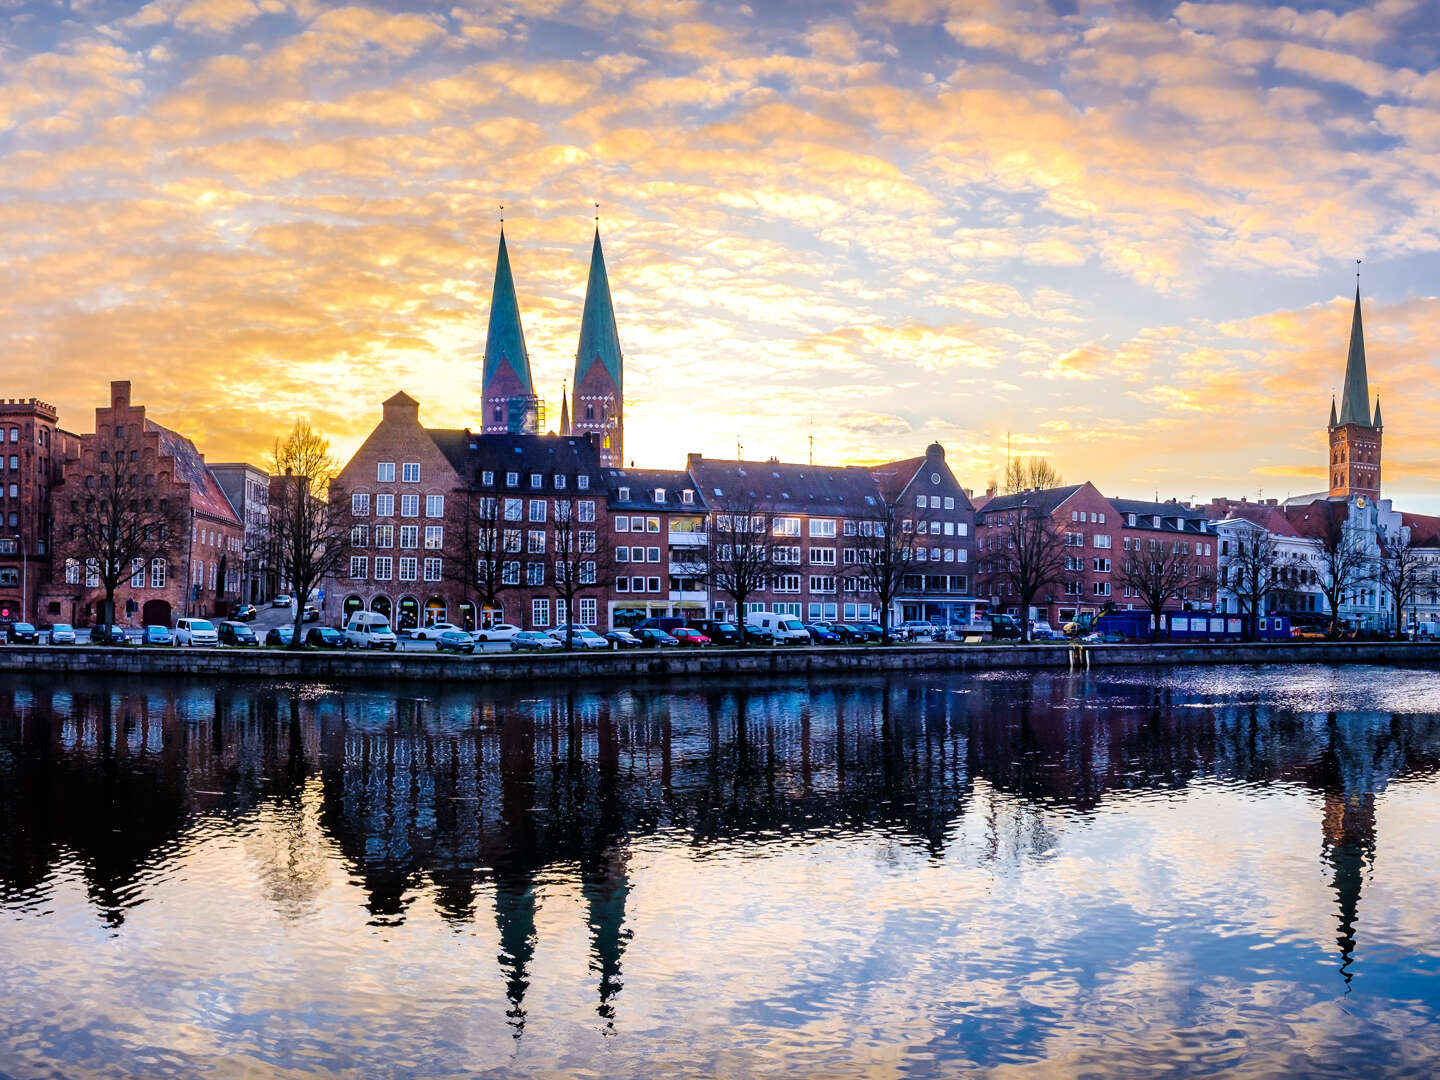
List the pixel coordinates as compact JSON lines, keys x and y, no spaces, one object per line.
{"x":1119,"y":235}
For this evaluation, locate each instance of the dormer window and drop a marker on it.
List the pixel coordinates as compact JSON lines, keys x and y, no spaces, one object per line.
{"x":512,"y":479}
{"x":582,"y":482}
{"x":559,"y":481}
{"x":623,"y":494}
{"x":687,"y":497}
{"x":1130,"y":520}
{"x":536,"y":480}
{"x":487,"y":478}
{"x":660,"y":495}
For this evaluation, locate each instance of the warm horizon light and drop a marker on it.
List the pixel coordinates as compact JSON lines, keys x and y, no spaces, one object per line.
{"x":1121,"y":235}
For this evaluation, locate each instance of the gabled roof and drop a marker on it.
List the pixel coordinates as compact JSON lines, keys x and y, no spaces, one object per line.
{"x":1042,"y":500}
{"x":206,"y":495}
{"x":642,"y":485}
{"x":1355,"y":401}
{"x":1311,"y":521}
{"x":599,"y":338}
{"x":1268,"y":518}
{"x":1424,"y":529}
{"x":1145,"y":512}
{"x":778,"y":487}
{"x":505,"y":339}
{"x":896,"y":477}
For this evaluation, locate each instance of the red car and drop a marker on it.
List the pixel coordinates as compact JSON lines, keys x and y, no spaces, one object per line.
{"x":683,"y":635}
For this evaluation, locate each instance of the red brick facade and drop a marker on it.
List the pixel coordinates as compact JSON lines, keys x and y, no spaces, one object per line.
{"x":29,"y":465}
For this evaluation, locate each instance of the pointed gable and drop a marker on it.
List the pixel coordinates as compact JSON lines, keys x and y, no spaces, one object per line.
{"x":599,"y":338}
{"x":1355,"y":401}
{"x":505,"y":339}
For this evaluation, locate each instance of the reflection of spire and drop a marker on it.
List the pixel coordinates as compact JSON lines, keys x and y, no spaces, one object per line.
{"x":606,"y":886}
{"x":1348,"y":846}
{"x":515,"y":881}
{"x":515,"y":916}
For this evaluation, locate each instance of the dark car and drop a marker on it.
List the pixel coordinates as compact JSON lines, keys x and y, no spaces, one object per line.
{"x":622,"y":639}
{"x":114,"y":635}
{"x":653,"y":636}
{"x":1004,"y":628}
{"x":759,"y":635}
{"x":21,"y":633}
{"x":244,"y":613}
{"x":456,"y":641}
{"x":280,"y":635}
{"x":718,"y":630}
{"x":325,"y":637}
{"x":848,"y":633}
{"x":821,"y":635}
{"x":236,"y":633}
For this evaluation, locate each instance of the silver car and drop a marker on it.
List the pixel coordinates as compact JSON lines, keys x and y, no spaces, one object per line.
{"x":62,"y":634}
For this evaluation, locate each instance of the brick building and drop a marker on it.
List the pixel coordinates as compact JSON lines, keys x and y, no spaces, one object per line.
{"x":247,"y":489}
{"x":30,"y":456}
{"x":200,"y":574}
{"x":657,"y":537}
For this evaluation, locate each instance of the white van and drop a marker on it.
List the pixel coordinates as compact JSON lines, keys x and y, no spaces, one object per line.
{"x":196,"y":632}
{"x":370,"y":630}
{"x":786,"y":628}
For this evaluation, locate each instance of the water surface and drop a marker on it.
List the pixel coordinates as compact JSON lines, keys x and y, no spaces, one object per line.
{"x":1131,"y":873}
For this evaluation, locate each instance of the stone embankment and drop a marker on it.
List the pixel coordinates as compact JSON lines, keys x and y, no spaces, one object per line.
{"x":637,"y":664}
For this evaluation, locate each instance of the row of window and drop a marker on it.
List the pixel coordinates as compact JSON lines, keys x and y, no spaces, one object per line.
{"x":514,"y":510}
{"x":384,"y":536}
{"x":158,"y":572}
{"x":537,"y":480}
{"x":385,"y":472}
{"x":385,"y":505}
{"x":384,"y":566}
{"x":622,"y":494}
{"x":934,"y":502}
{"x":817,"y":611}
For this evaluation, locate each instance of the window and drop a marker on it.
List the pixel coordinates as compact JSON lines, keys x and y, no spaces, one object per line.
{"x":72,"y":572}
{"x":537,"y":509}
{"x":824,"y":527}
{"x":512,"y":479}
{"x":786,"y":555}
{"x":384,"y":536}
{"x":822,"y":556}
{"x":408,"y":567}
{"x":514,"y":509}
{"x":622,"y":554}
{"x":654,"y":554}
{"x":432,"y":569}
{"x":359,"y":535}
{"x":510,"y":573}
{"x":659,"y":496}
{"x":383,"y":567}
{"x":537,"y":480}
{"x":487,"y":478}
{"x":1101,"y":566}
{"x":1100,"y":540}
{"x":359,"y":567}
{"x":1074,"y":539}
{"x":559,"y":481}
{"x":1102,"y":588}
{"x":582,"y":482}
{"x":384,"y":505}
{"x":588,"y":612}
{"x":787,"y":526}
{"x":158,"y":568}
{"x":587,"y":572}
{"x":652,"y":524}
{"x":512,"y":539}
{"x":410,"y":472}
{"x":535,"y":573}
{"x":434,"y":537}
{"x":434,"y":506}
{"x":385,"y":472}
{"x":92,"y":572}
{"x":654,"y":584}
{"x":788,"y":583}
{"x":359,"y":504}
{"x":535,"y":542}
{"x":822,"y":583}
{"x":587,"y":541}
{"x":137,"y":573}
{"x":409,"y":536}
{"x":622,"y":584}
{"x":409,"y":506}
{"x":586,"y":510}
{"x":623,"y":494}
{"x":539,"y":613}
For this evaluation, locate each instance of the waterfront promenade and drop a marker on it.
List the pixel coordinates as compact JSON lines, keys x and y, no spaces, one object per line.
{"x":643,"y":663}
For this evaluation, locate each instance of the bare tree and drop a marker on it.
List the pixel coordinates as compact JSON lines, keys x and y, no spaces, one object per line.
{"x":740,"y":556}
{"x":309,"y":522}
{"x":1030,"y":474}
{"x":115,"y":530}
{"x":1345,"y":560}
{"x":1254,"y":570}
{"x":1161,"y":570}
{"x":1024,"y":555}
{"x":584,"y":562}
{"x":489,"y":561}
{"x":888,"y":546}
{"x":1398,"y":569}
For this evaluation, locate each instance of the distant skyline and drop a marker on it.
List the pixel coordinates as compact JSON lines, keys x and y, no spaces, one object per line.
{"x":1125,"y":234}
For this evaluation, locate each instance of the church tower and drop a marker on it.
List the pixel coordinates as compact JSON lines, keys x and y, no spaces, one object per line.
{"x":507,"y":395}
{"x":598,"y":390}
{"x":1354,"y":437}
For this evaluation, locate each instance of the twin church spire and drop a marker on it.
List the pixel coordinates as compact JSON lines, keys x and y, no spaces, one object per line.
{"x":594,"y":404}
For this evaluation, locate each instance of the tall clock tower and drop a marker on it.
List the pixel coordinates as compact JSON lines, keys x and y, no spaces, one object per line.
{"x":1354,"y":435}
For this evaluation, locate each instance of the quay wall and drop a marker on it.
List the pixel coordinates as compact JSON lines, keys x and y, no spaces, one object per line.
{"x":647,"y":664}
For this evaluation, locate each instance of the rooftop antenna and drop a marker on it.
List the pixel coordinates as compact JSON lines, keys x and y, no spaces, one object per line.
{"x":812,"y":449}
{"x":739,"y":455}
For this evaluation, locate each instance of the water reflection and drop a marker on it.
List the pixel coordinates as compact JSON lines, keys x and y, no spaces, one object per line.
{"x":496,"y":800}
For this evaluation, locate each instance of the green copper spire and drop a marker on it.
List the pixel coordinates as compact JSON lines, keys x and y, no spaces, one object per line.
{"x":599,"y":340}
{"x":1355,"y":401}
{"x":505,"y":340}
{"x":1332,"y":410}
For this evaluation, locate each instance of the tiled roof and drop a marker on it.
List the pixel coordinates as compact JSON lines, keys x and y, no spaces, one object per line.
{"x":780,"y":487}
{"x":642,"y":485}
{"x":206,"y":495}
{"x":471,"y":454}
{"x":1311,"y":521}
{"x":1146,"y":510}
{"x":1424,"y":530}
{"x":1268,"y":518}
{"x":1043,"y":500}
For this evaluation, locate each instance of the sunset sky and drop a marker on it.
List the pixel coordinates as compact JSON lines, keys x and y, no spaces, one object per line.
{"x":1123,"y":233}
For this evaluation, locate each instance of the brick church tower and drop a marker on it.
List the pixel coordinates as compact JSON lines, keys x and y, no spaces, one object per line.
{"x":507,"y":397}
{"x":1354,"y":436}
{"x":598,"y":390}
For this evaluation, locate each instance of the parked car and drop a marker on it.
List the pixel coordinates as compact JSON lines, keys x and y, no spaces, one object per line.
{"x":236,"y":633}
{"x":688,"y":635}
{"x":849,"y":634}
{"x":719,"y":631}
{"x":1041,"y":630}
{"x":196,"y":632}
{"x":62,"y":634}
{"x":758,"y":635}
{"x":433,"y":631}
{"x":370,"y":630}
{"x":917,"y":628}
{"x":532,"y":640}
{"x":456,"y":641}
{"x":157,"y":635}
{"x":785,"y":628}
{"x":622,"y":639}
{"x":581,"y":637}
{"x":498,"y":632}
{"x":244,"y":613}
{"x":325,"y":637}
{"x":821,"y":635}
{"x":311,"y":614}
{"x":22,"y":633}
{"x":281,"y":600}
{"x":114,"y":635}
{"x":654,"y":637}
{"x":280,"y":636}
{"x":1004,"y":627}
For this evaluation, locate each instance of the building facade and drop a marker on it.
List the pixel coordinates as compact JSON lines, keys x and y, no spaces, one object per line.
{"x":657,"y":530}
{"x":247,"y":488}
{"x":30,"y":456}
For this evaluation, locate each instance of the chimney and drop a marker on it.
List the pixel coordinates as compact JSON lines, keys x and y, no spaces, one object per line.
{"x":120,"y":393}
